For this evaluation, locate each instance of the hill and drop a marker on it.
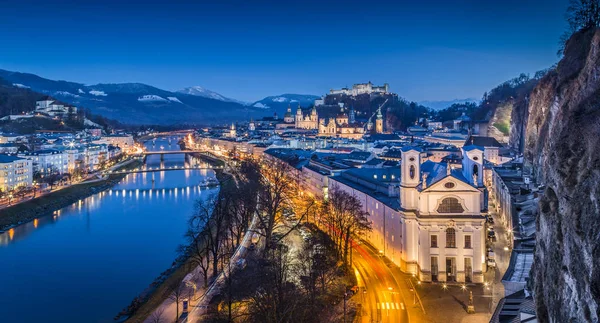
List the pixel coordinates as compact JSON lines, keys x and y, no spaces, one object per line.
{"x":134,"y":103}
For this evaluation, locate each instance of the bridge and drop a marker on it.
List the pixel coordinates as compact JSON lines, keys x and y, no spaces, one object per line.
{"x":160,"y":169}
{"x":170,"y":152}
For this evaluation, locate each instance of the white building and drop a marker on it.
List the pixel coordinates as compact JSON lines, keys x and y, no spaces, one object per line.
{"x":48,"y":161}
{"x":14,"y":172}
{"x":362,"y":88}
{"x":426,"y":217}
{"x":125,"y":142}
{"x":52,"y":108}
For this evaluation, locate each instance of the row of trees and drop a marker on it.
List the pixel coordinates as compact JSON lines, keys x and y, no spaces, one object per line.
{"x":277,"y":285}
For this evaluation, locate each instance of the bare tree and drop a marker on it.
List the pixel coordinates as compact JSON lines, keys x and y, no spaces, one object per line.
{"x":345,"y":219}
{"x":275,"y":188}
{"x":157,"y":315}
{"x":211,"y":216}
{"x":180,"y":292}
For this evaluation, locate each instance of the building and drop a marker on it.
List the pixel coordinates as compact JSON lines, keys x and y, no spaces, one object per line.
{"x":310,"y":121}
{"x":52,"y":108}
{"x":491,"y":147}
{"x":341,"y":127}
{"x":125,"y":142}
{"x":48,"y":161}
{"x":14,"y":172}
{"x":379,"y":122}
{"x":427,"y":218}
{"x":9,"y":138}
{"x":362,"y":88}
{"x":95,"y":132}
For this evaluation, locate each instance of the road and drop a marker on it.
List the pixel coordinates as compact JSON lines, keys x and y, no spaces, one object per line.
{"x":379,"y":292}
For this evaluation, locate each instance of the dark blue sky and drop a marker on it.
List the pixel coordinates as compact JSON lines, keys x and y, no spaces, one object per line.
{"x":248,"y":49}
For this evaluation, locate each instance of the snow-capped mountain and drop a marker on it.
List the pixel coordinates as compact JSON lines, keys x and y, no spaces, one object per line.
{"x":200,"y":91}
{"x":137,"y":103}
{"x":277,"y":101}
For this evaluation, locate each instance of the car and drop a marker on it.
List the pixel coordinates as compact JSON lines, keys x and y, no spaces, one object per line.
{"x":491,"y":263}
{"x":490,"y":219}
{"x":354,"y":289}
{"x":252,"y":246}
{"x":492,"y":235}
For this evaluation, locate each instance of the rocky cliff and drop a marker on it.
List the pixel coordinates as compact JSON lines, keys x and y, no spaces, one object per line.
{"x":563,"y":146}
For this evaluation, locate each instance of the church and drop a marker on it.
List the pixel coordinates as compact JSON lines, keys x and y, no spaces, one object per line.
{"x":427,"y":217}
{"x":342,"y":126}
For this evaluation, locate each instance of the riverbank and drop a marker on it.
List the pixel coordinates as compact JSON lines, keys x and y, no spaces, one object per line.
{"x":45,"y":205}
{"x":161,"y":288}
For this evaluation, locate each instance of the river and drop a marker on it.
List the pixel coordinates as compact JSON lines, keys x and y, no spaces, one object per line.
{"x":88,"y":261}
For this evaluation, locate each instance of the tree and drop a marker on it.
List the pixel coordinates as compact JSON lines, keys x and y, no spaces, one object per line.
{"x":581,"y":15}
{"x":211,"y":215}
{"x":180,"y":292}
{"x":345,"y":219}
{"x":157,"y":315}
{"x":276,"y":187}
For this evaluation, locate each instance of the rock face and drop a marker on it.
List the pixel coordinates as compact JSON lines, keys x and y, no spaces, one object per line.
{"x":563,"y":146}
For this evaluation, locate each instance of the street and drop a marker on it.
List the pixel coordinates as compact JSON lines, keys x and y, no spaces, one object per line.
{"x":379,"y":292}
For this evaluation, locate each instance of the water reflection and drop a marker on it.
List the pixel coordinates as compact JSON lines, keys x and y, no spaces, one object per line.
{"x":110,"y":245}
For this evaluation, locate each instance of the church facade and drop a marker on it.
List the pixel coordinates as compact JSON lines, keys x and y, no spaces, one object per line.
{"x":428,"y":218}
{"x":309,"y":121}
{"x":342,"y":126}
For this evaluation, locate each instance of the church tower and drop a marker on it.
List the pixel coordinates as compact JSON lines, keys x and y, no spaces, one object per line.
{"x":232,"y":132}
{"x":472,"y":164}
{"x":288,"y":117}
{"x":251,"y":125}
{"x":410,"y":172}
{"x":313,"y":114}
{"x":379,"y":122}
{"x":351,"y":116}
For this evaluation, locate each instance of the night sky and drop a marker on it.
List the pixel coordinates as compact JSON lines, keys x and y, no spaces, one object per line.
{"x":425,"y":50}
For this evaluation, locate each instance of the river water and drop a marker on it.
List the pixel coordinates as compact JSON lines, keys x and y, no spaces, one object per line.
{"x":88,"y":261}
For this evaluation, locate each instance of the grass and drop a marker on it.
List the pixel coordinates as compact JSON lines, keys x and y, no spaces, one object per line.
{"x":503,"y":127}
{"x":159,"y":295}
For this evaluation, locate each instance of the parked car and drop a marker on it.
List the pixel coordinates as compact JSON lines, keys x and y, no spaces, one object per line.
{"x":491,"y":263}
{"x":490,"y":219}
{"x":492,"y":235}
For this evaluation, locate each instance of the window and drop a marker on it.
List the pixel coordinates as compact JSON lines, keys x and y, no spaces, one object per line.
{"x":412,"y":171}
{"x":434,"y":268}
{"x":468,"y":242}
{"x":450,"y":205}
{"x":434,"y":241}
{"x":450,"y":238}
{"x":449,"y":185}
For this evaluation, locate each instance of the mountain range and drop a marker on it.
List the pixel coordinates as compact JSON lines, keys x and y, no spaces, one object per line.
{"x":440,"y":105}
{"x":137,"y":103}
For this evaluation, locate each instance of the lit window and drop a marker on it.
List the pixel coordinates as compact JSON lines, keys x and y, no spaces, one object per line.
{"x":467,"y":242}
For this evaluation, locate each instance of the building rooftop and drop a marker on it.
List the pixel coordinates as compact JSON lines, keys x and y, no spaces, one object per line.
{"x":483,"y":141}
{"x":4,"y":159}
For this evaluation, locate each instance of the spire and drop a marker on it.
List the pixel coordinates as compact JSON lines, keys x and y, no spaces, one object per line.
{"x":289,"y":108}
{"x":379,"y":115}
{"x":448,"y":168}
